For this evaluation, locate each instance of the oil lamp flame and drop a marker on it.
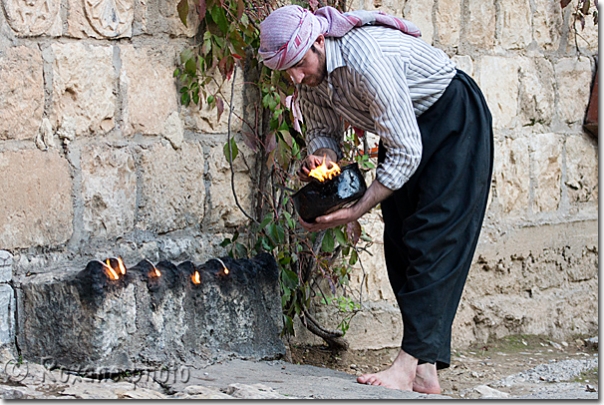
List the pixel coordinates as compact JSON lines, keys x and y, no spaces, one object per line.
{"x":196,"y":278}
{"x":121,"y":266}
{"x":225,"y":270}
{"x":322,"y":173}
{"x":109,"y":271}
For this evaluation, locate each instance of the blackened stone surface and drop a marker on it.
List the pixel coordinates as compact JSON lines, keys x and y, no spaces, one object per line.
{"x":85,"y":322}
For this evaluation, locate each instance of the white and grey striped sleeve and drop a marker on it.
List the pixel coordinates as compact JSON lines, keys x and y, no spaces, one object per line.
{"x":391,"y":107}
{"x":324,"y":127}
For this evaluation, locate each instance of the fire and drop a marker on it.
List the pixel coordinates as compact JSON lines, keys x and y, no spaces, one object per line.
{"x":322,"y":173}
{"x":225,"y":270}
{"x":111,"y":273}
{"x":196,"y":278}
{"x":155,"y":272}
{"x":120,"y":264}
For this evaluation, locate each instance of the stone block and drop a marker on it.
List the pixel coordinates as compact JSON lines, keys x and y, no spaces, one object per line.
{"x":173,"y":130}
{"x":372,"y":277}
{"x":85,"y":320}
{"x":31,"y":19}
{"x":420,"y":13}
{"x":512,"y":183}
{"x":173,"y":191}
{"x":586,"y":39}
{"x":547,"y":24}
{"x":21,"y":93}
{"x":546,"y":151}
{"x":84,"y":81}
{"x":581,"y":169}
{"x":447,"y":20}
{"x":222,"y":209}
{"x":498,"y":79}
{"x":35,"y":199}
{"x":479,"y":30}
{"x":376,"y":327}
{"x":6,"y":266}
{"x":108,"y":191}
{"x":100,"y":20}
{"x":148,"y":88}
{"x":537,"y":100}
{"x":516,"y":32}
{"x":393,"y":7}
{"x":163,"y":18}
{"x":205,"y":119}
{"x":7,"y":315}
{"x":573,"y":81}
{"x":465,"y":63}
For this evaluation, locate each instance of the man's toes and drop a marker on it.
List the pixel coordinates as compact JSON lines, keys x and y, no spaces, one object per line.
{"x":368,"y":379}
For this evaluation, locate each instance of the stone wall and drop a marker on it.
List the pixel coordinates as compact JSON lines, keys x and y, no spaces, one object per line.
{"x":99,"y":159}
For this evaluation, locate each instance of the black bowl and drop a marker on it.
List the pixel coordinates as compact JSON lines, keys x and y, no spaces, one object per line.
{"x":316,"y":198}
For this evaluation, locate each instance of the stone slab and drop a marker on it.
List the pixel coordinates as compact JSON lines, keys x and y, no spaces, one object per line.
{"x":7,"y":315}
{"x":149,"y":89}
{"x":6,"y":266}
{"x":84,"y":97}
{"x":86,"y":322}
{"x":108,"y":190}
{"x":21,"y":93}
{"x":35,"y":199}
{"x":173,"y":191}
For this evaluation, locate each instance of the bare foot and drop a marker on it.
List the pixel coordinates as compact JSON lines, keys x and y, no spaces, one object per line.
{"x":426,"y":379}
{"x":400,"y":375}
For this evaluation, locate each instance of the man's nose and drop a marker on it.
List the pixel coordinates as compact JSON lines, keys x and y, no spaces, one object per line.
{"x":295,"y":75}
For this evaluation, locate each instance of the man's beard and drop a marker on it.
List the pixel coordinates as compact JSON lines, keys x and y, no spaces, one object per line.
{"x":317,"y":79}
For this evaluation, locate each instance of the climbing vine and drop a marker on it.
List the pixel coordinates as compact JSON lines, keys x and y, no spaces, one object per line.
{"x":314,"y":267}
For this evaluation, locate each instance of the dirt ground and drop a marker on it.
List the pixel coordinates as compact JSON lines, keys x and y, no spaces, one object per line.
{"x":470,"y":367}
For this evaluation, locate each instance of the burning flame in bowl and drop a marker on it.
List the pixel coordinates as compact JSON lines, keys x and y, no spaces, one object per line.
{"x":323,"y":173}
{"x":112,"y":272}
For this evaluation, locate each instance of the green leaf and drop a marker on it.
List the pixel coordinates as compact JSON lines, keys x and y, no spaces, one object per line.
{"x":289,"y":278}
{"x":219,"y":18}
{"x":234,"y":151}
{"x":328,"y":244}
{"x":191,"y":67}
{"x":276,"y":233}
{"x":340,"y":237}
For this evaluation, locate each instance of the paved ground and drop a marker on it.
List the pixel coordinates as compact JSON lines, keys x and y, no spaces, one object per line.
{"x":241,"y":379}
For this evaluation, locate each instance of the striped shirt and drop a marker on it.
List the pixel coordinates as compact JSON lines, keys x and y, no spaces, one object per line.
{"x":379,"y":80}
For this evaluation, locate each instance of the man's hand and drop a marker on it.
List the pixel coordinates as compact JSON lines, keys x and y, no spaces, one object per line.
{"x":315,"y":160}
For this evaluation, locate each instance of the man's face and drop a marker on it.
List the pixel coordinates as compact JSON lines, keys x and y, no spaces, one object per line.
{"x":311,"y":70}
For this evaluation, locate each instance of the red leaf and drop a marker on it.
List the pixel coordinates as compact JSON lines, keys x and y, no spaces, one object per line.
{"x":250,"y":140}
{"x":219,"y":107}
{"x":353,"y":229}
{"x":240,"y":9}
{"x":201,"y":9}
{"x":271,"y":142}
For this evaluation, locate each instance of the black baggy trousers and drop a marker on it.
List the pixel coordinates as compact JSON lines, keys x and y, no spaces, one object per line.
{"x":432,"y":223}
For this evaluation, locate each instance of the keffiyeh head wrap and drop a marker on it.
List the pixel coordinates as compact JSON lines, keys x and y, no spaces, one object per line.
{"x":289,"y":32}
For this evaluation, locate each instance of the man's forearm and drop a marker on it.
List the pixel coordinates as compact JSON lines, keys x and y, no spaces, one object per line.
{"x":375,"y":194}
{"x":326,"y":151}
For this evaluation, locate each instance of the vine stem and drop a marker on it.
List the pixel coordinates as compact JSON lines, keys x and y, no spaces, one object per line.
{"x":231,"y":151}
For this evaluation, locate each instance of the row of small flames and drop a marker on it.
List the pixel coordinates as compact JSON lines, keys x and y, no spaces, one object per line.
{"x":114,"y":271}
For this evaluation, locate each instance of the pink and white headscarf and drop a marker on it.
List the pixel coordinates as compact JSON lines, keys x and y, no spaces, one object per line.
{"x":288,"y":32}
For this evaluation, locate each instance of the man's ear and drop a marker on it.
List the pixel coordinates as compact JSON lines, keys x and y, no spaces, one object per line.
{"x":320,"y":41}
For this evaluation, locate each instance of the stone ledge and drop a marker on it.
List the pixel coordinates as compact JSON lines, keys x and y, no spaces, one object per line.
{"x":84,"y":321}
